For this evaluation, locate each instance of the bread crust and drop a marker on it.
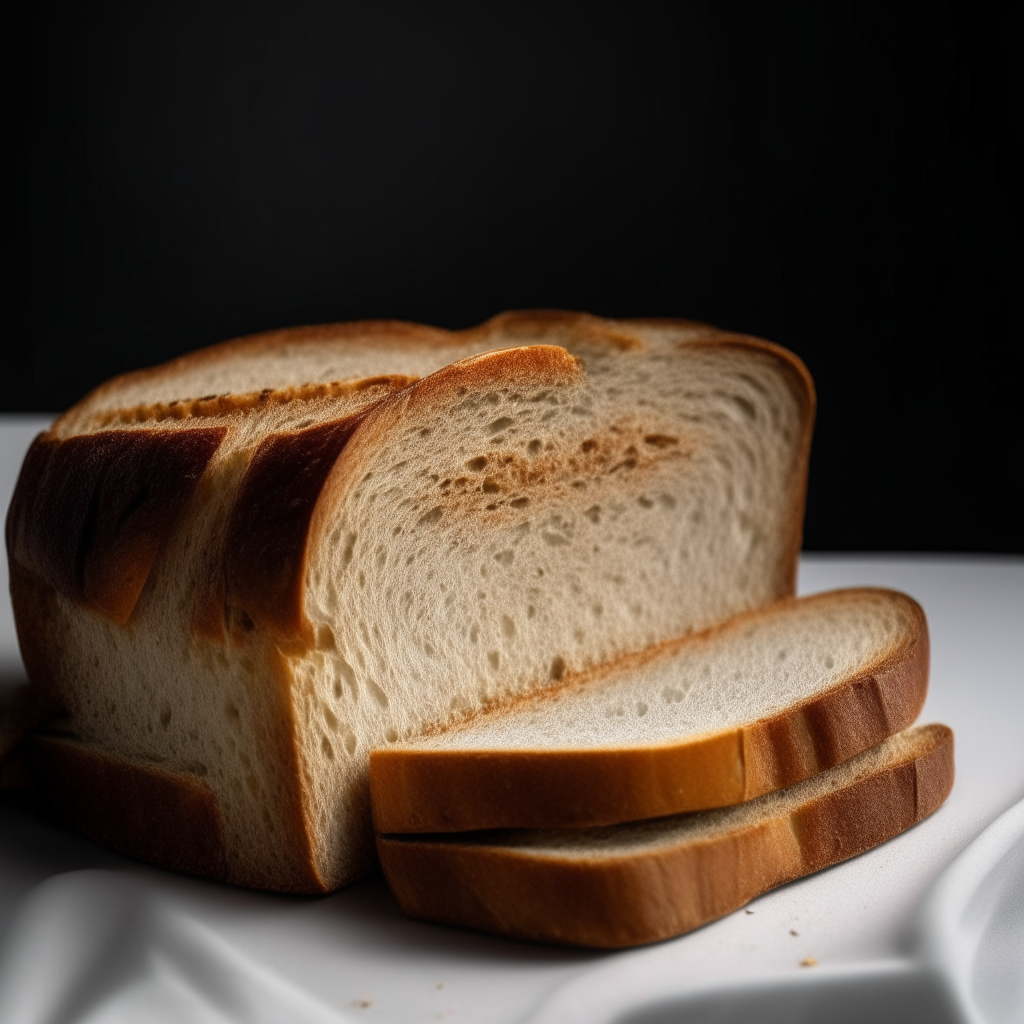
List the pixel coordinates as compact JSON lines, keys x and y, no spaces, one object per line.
{"x":90,"y":514}
{"x":255,"y":592}
{"x":171,"y":818}
{"x":453,"y":791}
{"x":616,"y":901}
{"x":167,"y":818}
{"x":268,"y":529}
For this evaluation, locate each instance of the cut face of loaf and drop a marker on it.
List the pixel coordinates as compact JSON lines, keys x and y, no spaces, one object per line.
{"x":625,"y":885}
{"x":763,"y":701}
{"x":249,"y":567}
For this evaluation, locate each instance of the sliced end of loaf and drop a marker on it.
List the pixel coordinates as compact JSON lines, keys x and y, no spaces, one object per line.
{"x":756,"y":704}
{"x":627,"y":885}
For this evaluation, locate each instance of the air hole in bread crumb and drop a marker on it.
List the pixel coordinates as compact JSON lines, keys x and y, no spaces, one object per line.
{"x":391,"y":735}
{"x":350,"y":544}
{"x":350,"y":743}
{"x":508,"y":627}
{"x":491,"y":486}
{"x":431,"y":517}
{"x":325,"y":746}
{"x":504,"y":557}
{"x":475,"y":465}
{"x":474,"y":633}
{"x":593,"y":513}
{"x":494,"y":659}
{"x":534,"y":447}
{"x":641,"y":708}
{"x":325,"y":638}
{"x":330,"y":718}
{"x":165,"y":716}
{"x":230,"y":713}
{"x":558,"y":667}
{"x":829,"y":662}
{"x":645,"y":502}
{"x":502,"y":423}
{"x":343,"y":668}
{"x":378,"y":694}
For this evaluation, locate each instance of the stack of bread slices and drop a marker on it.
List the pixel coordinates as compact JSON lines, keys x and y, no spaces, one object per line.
{"x":510,"y":609}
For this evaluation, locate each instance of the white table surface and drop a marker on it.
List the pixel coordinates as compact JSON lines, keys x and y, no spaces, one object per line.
{"x":87,"y":935}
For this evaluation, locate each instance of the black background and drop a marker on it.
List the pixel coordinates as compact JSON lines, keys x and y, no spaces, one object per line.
{"x":840,"y":178}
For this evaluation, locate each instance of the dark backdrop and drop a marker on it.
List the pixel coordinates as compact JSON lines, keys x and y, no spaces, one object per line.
{"x":840,"y":178}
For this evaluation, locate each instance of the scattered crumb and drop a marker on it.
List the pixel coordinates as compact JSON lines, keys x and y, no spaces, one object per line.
{"x":362,"y":1003}
{"x":439,"y":985}
{"x":809,"y":961}
{"x":791,"y":932}
{"x":747,"y":911}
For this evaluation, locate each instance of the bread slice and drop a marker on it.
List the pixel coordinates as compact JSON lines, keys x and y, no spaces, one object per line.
{"x":238,"y":573}
{"x":767,"y":699}
{"x":625,"y":885}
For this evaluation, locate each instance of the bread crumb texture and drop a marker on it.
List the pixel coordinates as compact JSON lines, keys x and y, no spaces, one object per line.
{"x":738,"y":674}
{"x":402,"y":526}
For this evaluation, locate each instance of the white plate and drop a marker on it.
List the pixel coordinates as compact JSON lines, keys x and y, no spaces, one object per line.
{"x":907,"y":932}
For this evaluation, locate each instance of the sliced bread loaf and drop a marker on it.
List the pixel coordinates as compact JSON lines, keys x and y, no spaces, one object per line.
{"x":625,"y":885}
{"x":765,"y":700}
{"x":236,"y":574}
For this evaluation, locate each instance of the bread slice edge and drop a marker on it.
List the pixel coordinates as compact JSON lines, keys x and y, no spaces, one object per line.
{"x":444,"y":790}
{"x":583,"y":898}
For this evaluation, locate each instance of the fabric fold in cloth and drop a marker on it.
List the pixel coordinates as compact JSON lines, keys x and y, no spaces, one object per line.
{"x":101,"y":947}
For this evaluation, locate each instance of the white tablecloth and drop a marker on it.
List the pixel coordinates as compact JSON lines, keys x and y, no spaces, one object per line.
{"x":898,"y":934}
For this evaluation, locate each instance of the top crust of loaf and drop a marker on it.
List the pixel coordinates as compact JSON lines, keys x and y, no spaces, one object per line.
{"x":269,"y":533}
{"x":254,"y":673}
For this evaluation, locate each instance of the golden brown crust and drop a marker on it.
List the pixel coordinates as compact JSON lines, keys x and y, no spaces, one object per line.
{"x":445,"y":790}
{"x":266,"y":591}
{"x":168,"y":818}
{"x":210,"y":406}
{"x":611,"y":902}
{"x":268,"y":529}
{"x":554,"y":326}
{"x":90,"y":514}
{"x":397,"y":333}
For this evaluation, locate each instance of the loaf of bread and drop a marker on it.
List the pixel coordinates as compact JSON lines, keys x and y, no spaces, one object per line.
{"x":236,"y":574}
{"x":624,"y":885}
{"x":767,"y":699}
